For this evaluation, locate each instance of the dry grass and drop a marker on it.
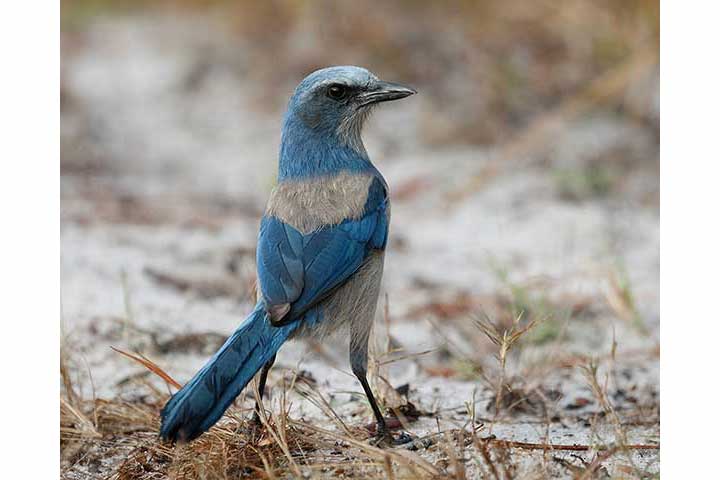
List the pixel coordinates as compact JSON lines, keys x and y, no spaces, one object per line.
{"x":93,"y":432}
{"x":118,"y":437}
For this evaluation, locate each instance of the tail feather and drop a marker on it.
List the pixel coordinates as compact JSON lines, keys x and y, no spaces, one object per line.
{"x":203,"y":400}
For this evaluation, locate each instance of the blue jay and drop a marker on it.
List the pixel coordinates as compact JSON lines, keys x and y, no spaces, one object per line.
{"x":320,"y":248}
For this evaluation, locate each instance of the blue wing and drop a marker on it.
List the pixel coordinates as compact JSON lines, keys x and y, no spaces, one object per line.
{"x":296,"y":271}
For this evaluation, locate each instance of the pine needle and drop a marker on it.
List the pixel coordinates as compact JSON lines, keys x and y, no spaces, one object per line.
{"x":150,"y":365}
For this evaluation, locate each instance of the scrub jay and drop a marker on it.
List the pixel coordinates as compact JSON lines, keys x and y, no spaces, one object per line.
{"x":320,"y":248}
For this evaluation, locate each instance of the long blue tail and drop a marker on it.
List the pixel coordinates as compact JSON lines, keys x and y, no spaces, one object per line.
{"x":203,"y":400}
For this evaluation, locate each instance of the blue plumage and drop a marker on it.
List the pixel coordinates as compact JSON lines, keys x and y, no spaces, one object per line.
{"x":301,"y":269}
{"x":315,"y":119}
{"x":316,"y":155}
{"x":318,"y":248}
{"x":203,"y":400}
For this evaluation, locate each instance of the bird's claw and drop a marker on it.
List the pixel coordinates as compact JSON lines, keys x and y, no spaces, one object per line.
{"x":386,"y":439}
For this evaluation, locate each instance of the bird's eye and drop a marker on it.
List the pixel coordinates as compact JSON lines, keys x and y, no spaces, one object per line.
{"x":337,"y":91}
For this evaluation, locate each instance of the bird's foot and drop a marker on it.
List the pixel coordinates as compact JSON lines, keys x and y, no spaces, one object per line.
{"x":385,"y":438}
{"x":255,"y":428}
{"x":382,"y":435}
{"x":255,"y":422}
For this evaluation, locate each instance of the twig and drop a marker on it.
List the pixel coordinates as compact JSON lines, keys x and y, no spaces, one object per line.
{"x":566,"y":447}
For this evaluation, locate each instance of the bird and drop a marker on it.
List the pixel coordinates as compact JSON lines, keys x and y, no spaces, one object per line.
{"x":320,"y":249}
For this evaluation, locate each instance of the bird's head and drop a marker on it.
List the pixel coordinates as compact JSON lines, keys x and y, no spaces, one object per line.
{"x":334,"y":102}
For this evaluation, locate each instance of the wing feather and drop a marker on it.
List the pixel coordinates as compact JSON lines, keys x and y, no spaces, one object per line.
{"x":296,"y":270}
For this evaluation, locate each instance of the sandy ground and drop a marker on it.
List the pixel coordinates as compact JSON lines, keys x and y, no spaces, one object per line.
{"x":166,"y":164}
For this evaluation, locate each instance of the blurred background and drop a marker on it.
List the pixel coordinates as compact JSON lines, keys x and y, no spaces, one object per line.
{"x":524,"y":179}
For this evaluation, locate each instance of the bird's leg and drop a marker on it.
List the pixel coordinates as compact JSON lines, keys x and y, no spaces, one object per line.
{"x":261,"y":389}
{"x":358,"y":362}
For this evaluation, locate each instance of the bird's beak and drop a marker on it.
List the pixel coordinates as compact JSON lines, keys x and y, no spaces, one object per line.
{"x":382,"y":91}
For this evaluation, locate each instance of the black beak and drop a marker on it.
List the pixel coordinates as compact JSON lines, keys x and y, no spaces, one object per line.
{"x":385,"y":91}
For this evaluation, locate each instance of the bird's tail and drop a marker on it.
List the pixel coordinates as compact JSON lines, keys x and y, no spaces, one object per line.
{"x":202,"y":401}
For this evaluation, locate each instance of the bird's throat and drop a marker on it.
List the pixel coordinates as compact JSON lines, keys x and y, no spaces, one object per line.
{"x":307,"y":152}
